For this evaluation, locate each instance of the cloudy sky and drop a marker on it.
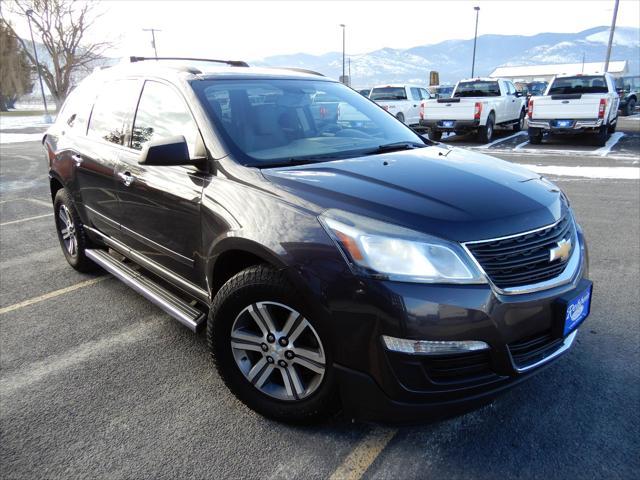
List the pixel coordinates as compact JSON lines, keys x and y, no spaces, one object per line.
{"x":255,"y":29}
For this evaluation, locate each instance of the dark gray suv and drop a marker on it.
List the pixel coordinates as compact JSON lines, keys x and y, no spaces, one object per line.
{"x":335,"y":256}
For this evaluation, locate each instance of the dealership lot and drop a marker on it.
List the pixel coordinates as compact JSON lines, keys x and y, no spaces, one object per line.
{"x":97,"y":381}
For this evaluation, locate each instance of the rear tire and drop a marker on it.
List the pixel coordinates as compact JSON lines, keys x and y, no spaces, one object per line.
{"x":435,"y":135}
{"x":257,"y":309}
{"x":535,"y":136}
{"x":612,"y":127}
{"x":602,"y":136}
{"x":630,"y":107}
{"x":485,"y":133}
{"x":400,"y":116}
{"x":520,"y":125}
{"x":71,"y":233}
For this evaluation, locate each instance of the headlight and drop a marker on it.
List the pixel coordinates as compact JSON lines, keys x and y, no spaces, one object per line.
{"x":387,"y":251}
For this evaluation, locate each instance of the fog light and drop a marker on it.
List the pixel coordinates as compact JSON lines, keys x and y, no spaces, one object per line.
{"x":432,"y":347}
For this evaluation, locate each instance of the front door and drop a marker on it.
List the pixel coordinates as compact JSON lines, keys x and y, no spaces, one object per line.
{"x":160,"y":205}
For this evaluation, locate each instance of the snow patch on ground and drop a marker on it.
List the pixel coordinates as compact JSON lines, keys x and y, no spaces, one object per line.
{"x":11,"y":122}
{"x":20,"y":137}
{"x":625,"y":173}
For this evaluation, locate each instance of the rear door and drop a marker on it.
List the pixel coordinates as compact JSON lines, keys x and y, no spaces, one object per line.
{"x":160,"y":205}
{"x":98,"y":151}
{"x":512,"y":109}
{"x":414,"y":105}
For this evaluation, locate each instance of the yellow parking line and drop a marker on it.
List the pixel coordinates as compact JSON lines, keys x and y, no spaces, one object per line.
{"x":364,"y":454}
{"x":24,"y":219}
{"x":55,"y":293}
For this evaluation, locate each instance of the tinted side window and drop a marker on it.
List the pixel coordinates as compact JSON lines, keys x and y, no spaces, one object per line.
{"x":415,"y":93}
{"x":162,"y":113}
{"x":74,"y":115}
{"x":116,"y":100}
{"x":425,"y":94}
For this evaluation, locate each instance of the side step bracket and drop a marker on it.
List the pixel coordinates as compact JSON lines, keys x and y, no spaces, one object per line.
{"x":172,"y":304}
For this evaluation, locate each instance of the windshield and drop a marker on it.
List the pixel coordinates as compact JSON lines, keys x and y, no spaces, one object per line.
{"x":578,"y":84}
{"x":388,"y":93}
{"x":268,"y":122}
{"x":537,"y":88}
{"x":477,"y":89}
{"x":628,"y":84}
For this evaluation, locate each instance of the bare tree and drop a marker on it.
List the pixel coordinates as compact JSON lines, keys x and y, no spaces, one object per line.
{"x":15,"y":74}
{"x":61,"y":26}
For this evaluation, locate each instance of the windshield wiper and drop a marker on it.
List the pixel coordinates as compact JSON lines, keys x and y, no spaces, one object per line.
{"x":396,"y":147}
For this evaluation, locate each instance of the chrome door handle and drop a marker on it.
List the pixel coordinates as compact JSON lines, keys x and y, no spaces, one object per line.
{"x":126,"y":178}
{"x":78,"y":159}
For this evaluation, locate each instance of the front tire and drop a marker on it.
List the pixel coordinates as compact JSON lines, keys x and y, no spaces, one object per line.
{"x":630,"y":107}
{"x":71,"y":233}
{"x":269,"y":350}
{"x":400,"y":116}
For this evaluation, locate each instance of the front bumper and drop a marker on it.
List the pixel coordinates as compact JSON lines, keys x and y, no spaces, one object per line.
{"x":458,"y":125}
{"x":524,"y":333}
{"x":576,"y":125}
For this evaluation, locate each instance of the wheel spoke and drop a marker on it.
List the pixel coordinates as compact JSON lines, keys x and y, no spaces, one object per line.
{"x":258,"y":320}
{"x":299,"y":329}
{"x":293,"y":316}
{"x":246,"y":346}
{"x":309,"y":365}
{"x":256,"y":369}
{"x":265,"y":375}
{"x":292,"y":382}
{"x":317,"y":357}
{"x":240,"y":336}
{"x":264,"y":314}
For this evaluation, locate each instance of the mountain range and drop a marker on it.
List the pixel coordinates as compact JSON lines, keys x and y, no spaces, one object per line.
{"x":452,"y":58}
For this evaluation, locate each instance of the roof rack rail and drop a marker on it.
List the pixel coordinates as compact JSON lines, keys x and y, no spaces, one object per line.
{"x":301,"y":70}
{"x":233,"y":63}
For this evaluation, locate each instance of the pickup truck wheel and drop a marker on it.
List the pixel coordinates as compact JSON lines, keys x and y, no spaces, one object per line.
{"x":71,"y":234}
{"x":535,"y":136}
{"x":602,"y":136}
{"x":520,"y":125}
{"x":400,"y":116}
{"x":630,"y":107}
{"x":612,"y":127}
{"x":485,"y":133}
{"x":271,"y":353}
{"x":435,"y":135}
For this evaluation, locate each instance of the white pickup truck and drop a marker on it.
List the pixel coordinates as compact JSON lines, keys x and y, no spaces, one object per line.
{"x":479,"y":104}
{"x":401,"y":101}
{"x":575,"y":103}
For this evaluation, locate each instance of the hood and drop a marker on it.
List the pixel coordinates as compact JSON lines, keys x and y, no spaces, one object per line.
{"x":451,"y":193}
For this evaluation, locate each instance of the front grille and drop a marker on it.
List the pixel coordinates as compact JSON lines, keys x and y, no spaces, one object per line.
{"x":533,"y":349}
{"x":524,"y":259}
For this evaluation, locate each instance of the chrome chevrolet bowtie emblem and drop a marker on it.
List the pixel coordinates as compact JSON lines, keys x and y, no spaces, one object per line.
{"x":561,"y":251}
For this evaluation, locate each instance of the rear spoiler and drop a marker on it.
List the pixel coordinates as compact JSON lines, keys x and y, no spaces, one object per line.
{"x":567,"y":96}
{"x":448,"y":100}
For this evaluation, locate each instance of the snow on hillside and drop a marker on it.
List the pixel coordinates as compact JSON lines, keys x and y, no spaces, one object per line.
{"x":452,"y":58}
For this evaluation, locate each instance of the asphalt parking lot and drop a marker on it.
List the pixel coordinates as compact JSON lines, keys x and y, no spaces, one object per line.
{"x":96,"y":382}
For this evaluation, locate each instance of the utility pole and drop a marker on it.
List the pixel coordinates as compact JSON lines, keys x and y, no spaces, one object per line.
{"x":475,"y":39}
{"x":613,"y":28}
{"x":47,"y":117}
{"x":153,"y":38}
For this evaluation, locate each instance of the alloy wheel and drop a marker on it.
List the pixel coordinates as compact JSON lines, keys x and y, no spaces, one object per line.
{"x":68,"y":230}
{"x":278,"y":351}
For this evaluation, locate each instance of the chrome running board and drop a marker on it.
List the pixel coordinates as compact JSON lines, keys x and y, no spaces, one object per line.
{"x":178,"y":308}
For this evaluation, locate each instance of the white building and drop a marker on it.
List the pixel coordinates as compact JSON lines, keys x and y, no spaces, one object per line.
{"x":532,"y":73}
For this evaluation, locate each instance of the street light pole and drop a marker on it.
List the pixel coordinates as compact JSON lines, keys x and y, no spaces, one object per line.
{"x":475,"y":39}
{"x":613,"y":28}
{"x":47,"y":117}
{"x":343,"y":50}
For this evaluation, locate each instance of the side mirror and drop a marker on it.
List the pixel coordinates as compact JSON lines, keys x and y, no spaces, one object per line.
{"x":518,"y":94}
{"x":165,"y":152}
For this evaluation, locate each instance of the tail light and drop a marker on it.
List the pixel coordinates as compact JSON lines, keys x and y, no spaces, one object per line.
{"x":602,"y":107}
{"x":422,"y":111}
{"x":477,"y":111}
{"x":530,"y":110}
